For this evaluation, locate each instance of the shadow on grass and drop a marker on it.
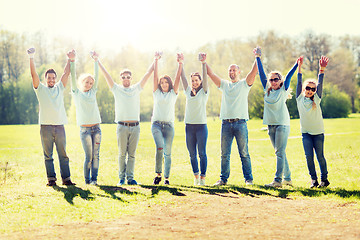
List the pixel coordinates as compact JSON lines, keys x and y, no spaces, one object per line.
{"x":71,"y":192}
{"x":112,"y":190}
{"x":156,"y":189}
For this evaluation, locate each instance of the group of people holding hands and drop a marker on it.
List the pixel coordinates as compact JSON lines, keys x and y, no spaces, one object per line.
{"x":233,"y":113}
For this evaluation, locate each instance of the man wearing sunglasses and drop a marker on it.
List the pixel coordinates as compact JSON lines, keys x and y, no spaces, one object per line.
{"x":127,"y":117}
{"x":234,"y":114}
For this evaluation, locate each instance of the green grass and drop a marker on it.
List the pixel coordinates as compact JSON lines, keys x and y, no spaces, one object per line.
{"x":25,"y":201}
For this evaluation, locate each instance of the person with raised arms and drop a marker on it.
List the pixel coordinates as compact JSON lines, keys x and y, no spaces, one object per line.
{"x":165,"y":94}
{"x":195,"y":119}
{"x":308,"y":98}
{"x":52,"y":117}
{"x":276,"y":117}
{"x":234,"y":115}
{"x":127,"y":117}
{"x":88,"y":118}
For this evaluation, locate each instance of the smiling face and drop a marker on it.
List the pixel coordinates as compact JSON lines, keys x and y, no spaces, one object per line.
{"x":165,"y":86}
{"x":87,"y":83}
{"x":50,"y":79}
{"x":275,"y":81}
{"x":234,"y":71}
{"x":195,"y":81}
{"x":310,"y":89}
{"x":126,"y":79}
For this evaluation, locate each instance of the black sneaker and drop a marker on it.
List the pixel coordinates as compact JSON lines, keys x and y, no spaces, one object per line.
{"x":51,"y":183}
{"x":68,"y":183}
{"x":314,"y":184}
{"x":166,"y":182}
{"x":157,"y":180}
{"x":324,"y":183}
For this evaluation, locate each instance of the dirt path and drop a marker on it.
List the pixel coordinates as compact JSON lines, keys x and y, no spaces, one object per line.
{"x":219,"y":216}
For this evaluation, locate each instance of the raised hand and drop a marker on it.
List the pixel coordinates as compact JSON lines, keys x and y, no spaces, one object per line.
{"x":257,"y":51}
{"x":202,"y":57}
{"x":158,"y":55}
{"x":180,"y":58}
{"x":300,"y":60}
{"x":323,"y":62}
{"x":71,"y":55}
{"x":94,"y":55}
{"x":31,"y":52}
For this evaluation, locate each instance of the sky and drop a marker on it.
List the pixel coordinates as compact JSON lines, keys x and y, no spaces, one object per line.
{"x":185,"y":25}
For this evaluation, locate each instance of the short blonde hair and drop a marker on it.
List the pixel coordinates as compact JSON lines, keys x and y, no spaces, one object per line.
{"x":82,"y":79}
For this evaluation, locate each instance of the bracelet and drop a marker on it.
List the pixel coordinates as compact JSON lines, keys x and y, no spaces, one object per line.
{"x":322,"y":68}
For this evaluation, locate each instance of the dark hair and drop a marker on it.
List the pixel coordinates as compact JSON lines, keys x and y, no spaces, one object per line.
{"x":168,"y":79}
{"x":200,"y":86}
{"x":50,"y":71}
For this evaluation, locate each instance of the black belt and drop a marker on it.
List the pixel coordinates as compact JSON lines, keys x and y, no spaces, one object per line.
{"x":232,"y":120}
{"x":129,"y":124}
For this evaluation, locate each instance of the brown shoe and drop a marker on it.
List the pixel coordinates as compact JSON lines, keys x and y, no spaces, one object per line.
{"x":51,"y":183}
{"x":68,"y":183}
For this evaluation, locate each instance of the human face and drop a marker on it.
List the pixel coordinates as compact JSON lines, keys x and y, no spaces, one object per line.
{"x":308,"y":90}
{"x":164,"y":84}
{"x":195,"y":82}
{"x":234,"y":71}
{"x":50,"y":79}
{"x":126,"y":79}
{"x":275,"y":81}
{"x":87,"y":83}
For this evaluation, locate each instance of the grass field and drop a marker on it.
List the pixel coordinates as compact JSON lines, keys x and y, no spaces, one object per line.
{"x":25,"y":201}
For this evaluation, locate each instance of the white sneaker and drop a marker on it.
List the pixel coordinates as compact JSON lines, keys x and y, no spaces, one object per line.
{"x":197,"y":181}
{"x":288,"y":183}
{"x":202,"y":181}
{"x":274,"y":184}
{"x":220,"y":183}
{"x":249,"y":182}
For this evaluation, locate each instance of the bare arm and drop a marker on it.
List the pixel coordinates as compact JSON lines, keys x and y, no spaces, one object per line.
{"x":65,"y":76}
{"x":202,"y":58}
{"x":156,"y":72}
{"x":215,"y":78}
{"x":34,"y":75}
{"x":250,"y":78}
{"x":178,"y":73}
{"x":183,"y":79}
{"x":147,"y":75}
{"x":107,"y":76}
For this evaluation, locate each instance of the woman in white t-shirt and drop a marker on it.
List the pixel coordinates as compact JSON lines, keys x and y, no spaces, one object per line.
{"x":165,"y":94}
{"x":308,"y":98}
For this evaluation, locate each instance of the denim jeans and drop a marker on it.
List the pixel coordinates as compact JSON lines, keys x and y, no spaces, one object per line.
{"x":91,"y":139}
{"x":311,"y":143}
{"x":279,"y":136}
{"x":163,"y":134}
{"x":238,"y":130}
{"x":196,"y":136}
{"x":128,"y":139}
{"x":51,"y":134}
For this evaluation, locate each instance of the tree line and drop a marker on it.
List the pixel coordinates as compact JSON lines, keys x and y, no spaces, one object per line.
{"x":18,"y":103}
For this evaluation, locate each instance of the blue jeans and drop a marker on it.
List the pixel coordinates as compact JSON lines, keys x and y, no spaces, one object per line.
{"x":51,"y":134}
{"x":163,"y":134}
{"x":238,"y":130}
{"x":311,"y":143}
{"x":196,"y":136}
{"x":128,"y":139}
{"x":91,"y":139}
{"x":279,"y":136}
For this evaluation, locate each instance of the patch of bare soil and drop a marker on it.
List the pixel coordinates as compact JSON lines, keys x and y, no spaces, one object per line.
{"x":219,"y":216}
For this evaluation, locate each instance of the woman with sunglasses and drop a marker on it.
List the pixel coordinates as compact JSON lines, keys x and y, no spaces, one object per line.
{"x":276,"y":116}
{"x":195,"y":119}
{"x":163,"y":116}
{"x":88,"y":117}
{"x":308,"y":98}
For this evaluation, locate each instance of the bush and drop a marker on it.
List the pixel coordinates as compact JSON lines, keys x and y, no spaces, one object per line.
{"x":335,"y":104}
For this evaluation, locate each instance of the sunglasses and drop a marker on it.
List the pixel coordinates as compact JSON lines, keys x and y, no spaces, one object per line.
{"x":310,"y":88}
{"x":127,"y":77}
{"x":274,"y":80}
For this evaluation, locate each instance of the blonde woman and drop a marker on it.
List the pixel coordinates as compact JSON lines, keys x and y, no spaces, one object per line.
{"x":88,"y":118}
{"x":276,"y":116}
{"x":308,"y":98}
